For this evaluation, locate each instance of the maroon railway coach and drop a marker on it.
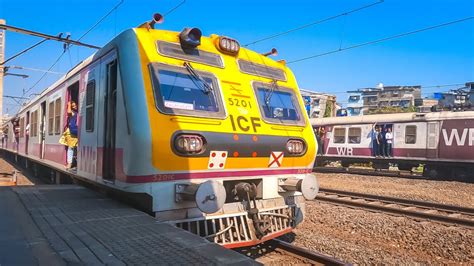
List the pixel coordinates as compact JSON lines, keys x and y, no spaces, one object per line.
{"x":443,"y":142}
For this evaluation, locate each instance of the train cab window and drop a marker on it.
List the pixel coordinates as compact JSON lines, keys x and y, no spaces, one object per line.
{"x":179,"y":91}
{"x":339,"y":135}
{"x":57,"y":116}
{"x":90,"y":100}
{"x":410,"y":134}
{"x":354,"y":135}
{"x":51,"y":118}
{"x":278,"y":104}
{"x":22,"y":127}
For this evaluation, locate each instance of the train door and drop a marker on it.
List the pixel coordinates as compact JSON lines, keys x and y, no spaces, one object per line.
{"x":432,"y":140}
{"x":27,"y":131}
{"x":42,"y":127}
{"x":110,"y":104}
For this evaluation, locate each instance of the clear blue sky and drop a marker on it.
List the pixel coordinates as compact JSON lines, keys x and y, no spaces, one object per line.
{"x":440,"y":56}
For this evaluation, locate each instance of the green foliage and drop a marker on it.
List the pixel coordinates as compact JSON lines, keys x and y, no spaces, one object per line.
{"x":328,"y":111}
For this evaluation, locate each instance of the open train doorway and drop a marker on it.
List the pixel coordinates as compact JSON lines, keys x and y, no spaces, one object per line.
{"x":42,"y":128}
{"x":108,"y":165}
{"x":72,"y":118}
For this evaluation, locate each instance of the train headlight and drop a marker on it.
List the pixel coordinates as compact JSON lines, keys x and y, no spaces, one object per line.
{"x":189,"y":144}
{"x":228,"y":45}
{"x":295,"y":146}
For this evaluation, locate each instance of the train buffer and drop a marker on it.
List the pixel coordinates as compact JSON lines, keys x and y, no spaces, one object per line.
{"x":70,"y":224}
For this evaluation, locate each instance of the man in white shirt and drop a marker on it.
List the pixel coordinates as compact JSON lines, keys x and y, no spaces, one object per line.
{"x":389,"y":139}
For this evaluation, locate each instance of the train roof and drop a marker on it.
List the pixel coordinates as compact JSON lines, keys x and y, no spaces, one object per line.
{"x":391,"y":118}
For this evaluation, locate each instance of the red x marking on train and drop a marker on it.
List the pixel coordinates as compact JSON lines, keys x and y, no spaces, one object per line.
{"x":275,"y":159}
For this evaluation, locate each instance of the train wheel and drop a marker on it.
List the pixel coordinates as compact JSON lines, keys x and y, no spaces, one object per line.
{"x":430,"y":172}
{"x":405,"y":167}
{"x":345,"y":164}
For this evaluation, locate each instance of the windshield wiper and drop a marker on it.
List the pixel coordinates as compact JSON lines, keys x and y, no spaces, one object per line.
{"x":206,"y":88}
{"x":269,"y":93}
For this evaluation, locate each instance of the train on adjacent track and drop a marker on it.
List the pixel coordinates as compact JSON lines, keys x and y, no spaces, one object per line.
{"x":443,"y":142}
{"x":212,"y":134}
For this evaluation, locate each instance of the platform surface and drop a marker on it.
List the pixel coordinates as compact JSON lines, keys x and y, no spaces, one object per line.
{"x":70,"y":224}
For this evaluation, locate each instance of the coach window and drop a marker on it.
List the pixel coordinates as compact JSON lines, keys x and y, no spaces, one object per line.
{"x":34,"y":124}
{"x":57,"y":116}
{"x":339,"y":135}
{"x":410,"y":134}
{"x":22,"y":127}
{"x":90,"y":99}
{"x":51,"y":118}
{"x":354,"y":135}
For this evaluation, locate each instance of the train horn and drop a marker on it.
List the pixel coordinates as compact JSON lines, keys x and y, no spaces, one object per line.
{"x":157,"y":19}
{"x":308,"y":186}
{"x":209,"y":196}
{"x":273,"y":52}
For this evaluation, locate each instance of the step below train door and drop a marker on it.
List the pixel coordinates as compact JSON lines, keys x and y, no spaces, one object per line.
{"x":108,"y":123}
{"x":432,"y":140}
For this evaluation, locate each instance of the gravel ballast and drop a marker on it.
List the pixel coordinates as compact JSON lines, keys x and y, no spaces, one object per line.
{"x":363,"y":237}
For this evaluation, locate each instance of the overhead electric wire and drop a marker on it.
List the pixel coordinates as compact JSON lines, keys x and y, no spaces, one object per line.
{"x":314,"y":23}
{"x":35,"y":69}
{"x":46,"y":36}
{"x":382,"y":40}
{"x":101,"y":19}
{"x":174,"y":8}
{"x":69,"y":44}
{"x":23,"y":51}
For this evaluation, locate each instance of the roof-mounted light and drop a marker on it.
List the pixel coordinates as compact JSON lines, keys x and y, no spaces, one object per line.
{"x":228,"y":45}
{"x":190,"y":38}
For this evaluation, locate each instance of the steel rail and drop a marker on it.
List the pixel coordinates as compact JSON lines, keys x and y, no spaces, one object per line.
{"x":305,"y":253}
{"x":362,"y":171}
{"x":448,"y":214}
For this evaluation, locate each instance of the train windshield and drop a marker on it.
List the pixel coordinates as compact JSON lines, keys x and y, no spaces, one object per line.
{"x":177,"y":91}
{"x":278,"y":105}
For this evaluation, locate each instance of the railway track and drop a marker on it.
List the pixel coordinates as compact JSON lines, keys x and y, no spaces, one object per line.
{"x":278,"y":252}
{"x":447,"y":214}
{"x":364,"y":171}
{"x":314,"y":258}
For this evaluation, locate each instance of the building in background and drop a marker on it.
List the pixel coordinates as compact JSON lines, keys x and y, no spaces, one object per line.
{"x":319,"y":104}
{"x":457,"y":99}
{"x":383,"y":99}
{"x":355,"y":103}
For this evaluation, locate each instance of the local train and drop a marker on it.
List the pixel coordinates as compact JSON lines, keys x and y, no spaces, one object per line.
{"x":213,"y":134}
{"x":443,"y":142}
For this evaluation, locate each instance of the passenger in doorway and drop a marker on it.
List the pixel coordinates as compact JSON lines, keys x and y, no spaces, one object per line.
{"x":375,"y":140}
{"x":383,"y":141}
{"x":389,"y":139}
{"x":320,"y":135}
{"x":379,"y":142}
{"x":70,"y":134}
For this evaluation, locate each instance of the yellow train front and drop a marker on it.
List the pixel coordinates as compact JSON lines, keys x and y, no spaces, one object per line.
{"x":214,"y":133}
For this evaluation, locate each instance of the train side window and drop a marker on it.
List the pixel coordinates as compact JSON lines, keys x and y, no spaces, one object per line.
{"x":90,"y":100}
{"x":22,"y":127}
{"x":34,"y":124}
{"x":354,"y":135}
{"x":57,"y":116}
{"x":51,"y":118}
{"x":339,"y":135}
{"x":410,"y":134}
